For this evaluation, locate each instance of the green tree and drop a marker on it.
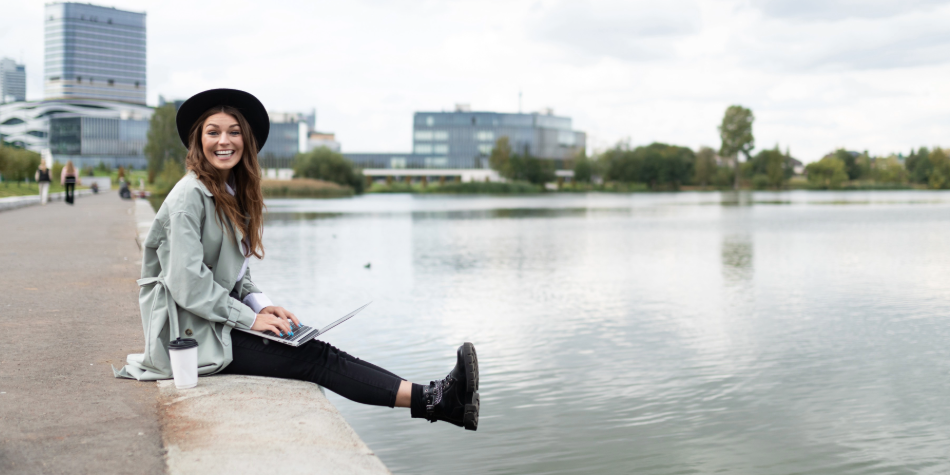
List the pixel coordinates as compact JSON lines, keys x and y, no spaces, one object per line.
{"x":919,"y":165}
{"x":583,"y":168}
{"x":773,"y":168}
{"x":500,"y":158}
{"x":889,"y":170}
{"x":940,"y":174}
{"x":736,"y":134}
{"x":658,"y":165}
{"x":827,"y":173}
{"x":705,"y":168}
{"x":325,"y":164}
{"x":163,"y":142}
{"x":18,"y":164}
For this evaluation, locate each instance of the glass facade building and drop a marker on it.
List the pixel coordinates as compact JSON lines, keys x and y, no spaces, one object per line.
{"x":86,"y":132}
{"x":94,"y":52}
{"x":12,"y":81}
{"x":464,"y":140}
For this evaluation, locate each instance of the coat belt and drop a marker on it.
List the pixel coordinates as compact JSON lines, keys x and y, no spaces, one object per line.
{"x":169,"y":303}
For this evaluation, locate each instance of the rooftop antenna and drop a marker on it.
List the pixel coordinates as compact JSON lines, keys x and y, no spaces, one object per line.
{"x":519,"y":101}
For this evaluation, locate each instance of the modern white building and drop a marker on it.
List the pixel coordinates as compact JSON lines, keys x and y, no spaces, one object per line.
{"x":12,"y":81}
{"x":84,"y":131}
{"x":94,"y":52}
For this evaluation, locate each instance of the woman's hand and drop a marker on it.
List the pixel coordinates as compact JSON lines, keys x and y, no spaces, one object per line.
{"x":282,"y":313}
{"x":267,"y":322}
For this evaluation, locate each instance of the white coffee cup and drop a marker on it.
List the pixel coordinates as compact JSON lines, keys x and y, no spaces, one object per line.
{"x":183,"y":353}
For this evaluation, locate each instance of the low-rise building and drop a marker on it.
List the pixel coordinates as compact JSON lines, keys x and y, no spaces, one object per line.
{"x":88,"y":132}
{"x":463,"y":140}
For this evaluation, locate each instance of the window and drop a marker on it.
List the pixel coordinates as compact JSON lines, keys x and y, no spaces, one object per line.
{"x":485,"y":136}
{"x":566,"y":138}
{"x":423,"y":149}
{"x":430,"y":121}
{"x":13,"y":121}
{"x":436,"y":162}
{"x":485,"y":149}
{"x":440,"y":135}
{"x":441,"y":148}
{"x":423,"y":135}
{"x":397,"y":162}
{"x":37,"y":133}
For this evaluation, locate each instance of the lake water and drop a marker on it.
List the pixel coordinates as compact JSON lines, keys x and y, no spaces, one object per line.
{"x":765,"y":333}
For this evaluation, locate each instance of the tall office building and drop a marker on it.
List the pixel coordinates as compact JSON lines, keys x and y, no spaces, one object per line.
{"x":94,"y":52}
{"x":12,"y":81}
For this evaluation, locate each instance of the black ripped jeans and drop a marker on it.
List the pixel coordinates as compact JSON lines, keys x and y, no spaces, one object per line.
{"x":317,"y":362}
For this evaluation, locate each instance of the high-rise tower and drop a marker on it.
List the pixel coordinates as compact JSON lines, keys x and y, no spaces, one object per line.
{"x":12,"y":81}
{"x":94,"y":52}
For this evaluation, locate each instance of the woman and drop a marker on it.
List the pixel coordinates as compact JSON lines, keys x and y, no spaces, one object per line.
{"x":42,"y":179}
{"x":68,"y":179}
{"x":195,"y":270}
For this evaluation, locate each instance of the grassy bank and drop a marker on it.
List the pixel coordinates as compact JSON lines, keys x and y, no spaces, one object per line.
{"x":476,"y":187}
{"x":297,"y":188}
{"x":304,"y":188}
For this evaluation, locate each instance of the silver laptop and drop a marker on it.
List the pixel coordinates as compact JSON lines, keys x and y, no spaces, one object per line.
{"x":304,"y":333}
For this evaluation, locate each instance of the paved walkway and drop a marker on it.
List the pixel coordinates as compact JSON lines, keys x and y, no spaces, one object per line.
{"x":69,"y":310}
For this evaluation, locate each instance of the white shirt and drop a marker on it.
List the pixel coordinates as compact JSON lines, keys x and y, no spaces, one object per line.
{"x":257,"y":300}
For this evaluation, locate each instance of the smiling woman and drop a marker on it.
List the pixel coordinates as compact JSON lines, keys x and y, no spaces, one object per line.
{"x":196,"y":280}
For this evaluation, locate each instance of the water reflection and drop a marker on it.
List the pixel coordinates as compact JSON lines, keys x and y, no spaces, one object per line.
{"x":737,"y":258}
{"x":655,"y":334}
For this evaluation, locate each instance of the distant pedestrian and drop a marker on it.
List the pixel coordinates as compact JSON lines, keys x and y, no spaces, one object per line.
{"x":42,"y":179}
{"x":68,"y":180}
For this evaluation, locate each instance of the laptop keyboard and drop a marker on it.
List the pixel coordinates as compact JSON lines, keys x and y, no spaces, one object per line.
{"x":298,"y":331}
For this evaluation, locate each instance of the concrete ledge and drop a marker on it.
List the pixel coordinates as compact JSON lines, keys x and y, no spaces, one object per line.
{"x":14,"y":202}
{"x":250,"y":425}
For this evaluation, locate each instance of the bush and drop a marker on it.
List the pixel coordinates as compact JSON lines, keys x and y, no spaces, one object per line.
{"x":760,"y":181}
{"x":166,"y":180}
{"x":659,"y":165}
{"x":827,"y":173}
{"x":17,"y":164}
{"x":325,"y":164}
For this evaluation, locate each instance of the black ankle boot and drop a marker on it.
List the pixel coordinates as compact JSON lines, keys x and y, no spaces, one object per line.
{"x":455,"y":398}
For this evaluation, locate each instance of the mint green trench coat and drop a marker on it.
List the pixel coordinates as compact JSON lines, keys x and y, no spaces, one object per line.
{"x":189,"y":267}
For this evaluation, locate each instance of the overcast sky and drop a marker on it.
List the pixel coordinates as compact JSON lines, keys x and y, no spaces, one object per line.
{"x":818,"y":74}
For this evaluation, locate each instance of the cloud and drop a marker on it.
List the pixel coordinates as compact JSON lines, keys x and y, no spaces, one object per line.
{"x":913,"y":39}
{"x":835,"y":10}
{"x":631,"y":30}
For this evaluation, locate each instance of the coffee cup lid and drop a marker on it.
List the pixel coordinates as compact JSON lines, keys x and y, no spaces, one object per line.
{"x":182,"y":344}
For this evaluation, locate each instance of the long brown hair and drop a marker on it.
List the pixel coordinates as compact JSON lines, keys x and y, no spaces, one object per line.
{"x":246,"y":208}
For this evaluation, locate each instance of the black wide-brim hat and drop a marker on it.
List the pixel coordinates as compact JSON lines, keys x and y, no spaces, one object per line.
{"x":244,"y":102}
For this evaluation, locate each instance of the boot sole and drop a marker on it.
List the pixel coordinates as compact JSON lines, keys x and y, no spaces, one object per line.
{"x":470,"y":419}
{"x":470,"y":362}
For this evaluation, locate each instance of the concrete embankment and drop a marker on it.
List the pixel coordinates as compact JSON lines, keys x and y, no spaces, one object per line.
{"x":69,"y":311}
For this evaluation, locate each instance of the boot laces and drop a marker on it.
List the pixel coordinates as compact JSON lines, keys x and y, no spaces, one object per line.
{"x":434,"y":395}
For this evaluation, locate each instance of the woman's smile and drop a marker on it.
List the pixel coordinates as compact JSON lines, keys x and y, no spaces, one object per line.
{"x":222,"y":141}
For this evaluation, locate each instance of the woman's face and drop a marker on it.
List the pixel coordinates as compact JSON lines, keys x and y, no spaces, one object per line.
{"x":222,"y":141}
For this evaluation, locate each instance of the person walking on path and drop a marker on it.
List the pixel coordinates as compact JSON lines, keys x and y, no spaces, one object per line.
{"x":68,"y":180}
{"x":195,"y":270}
{"x":42,"y":179}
